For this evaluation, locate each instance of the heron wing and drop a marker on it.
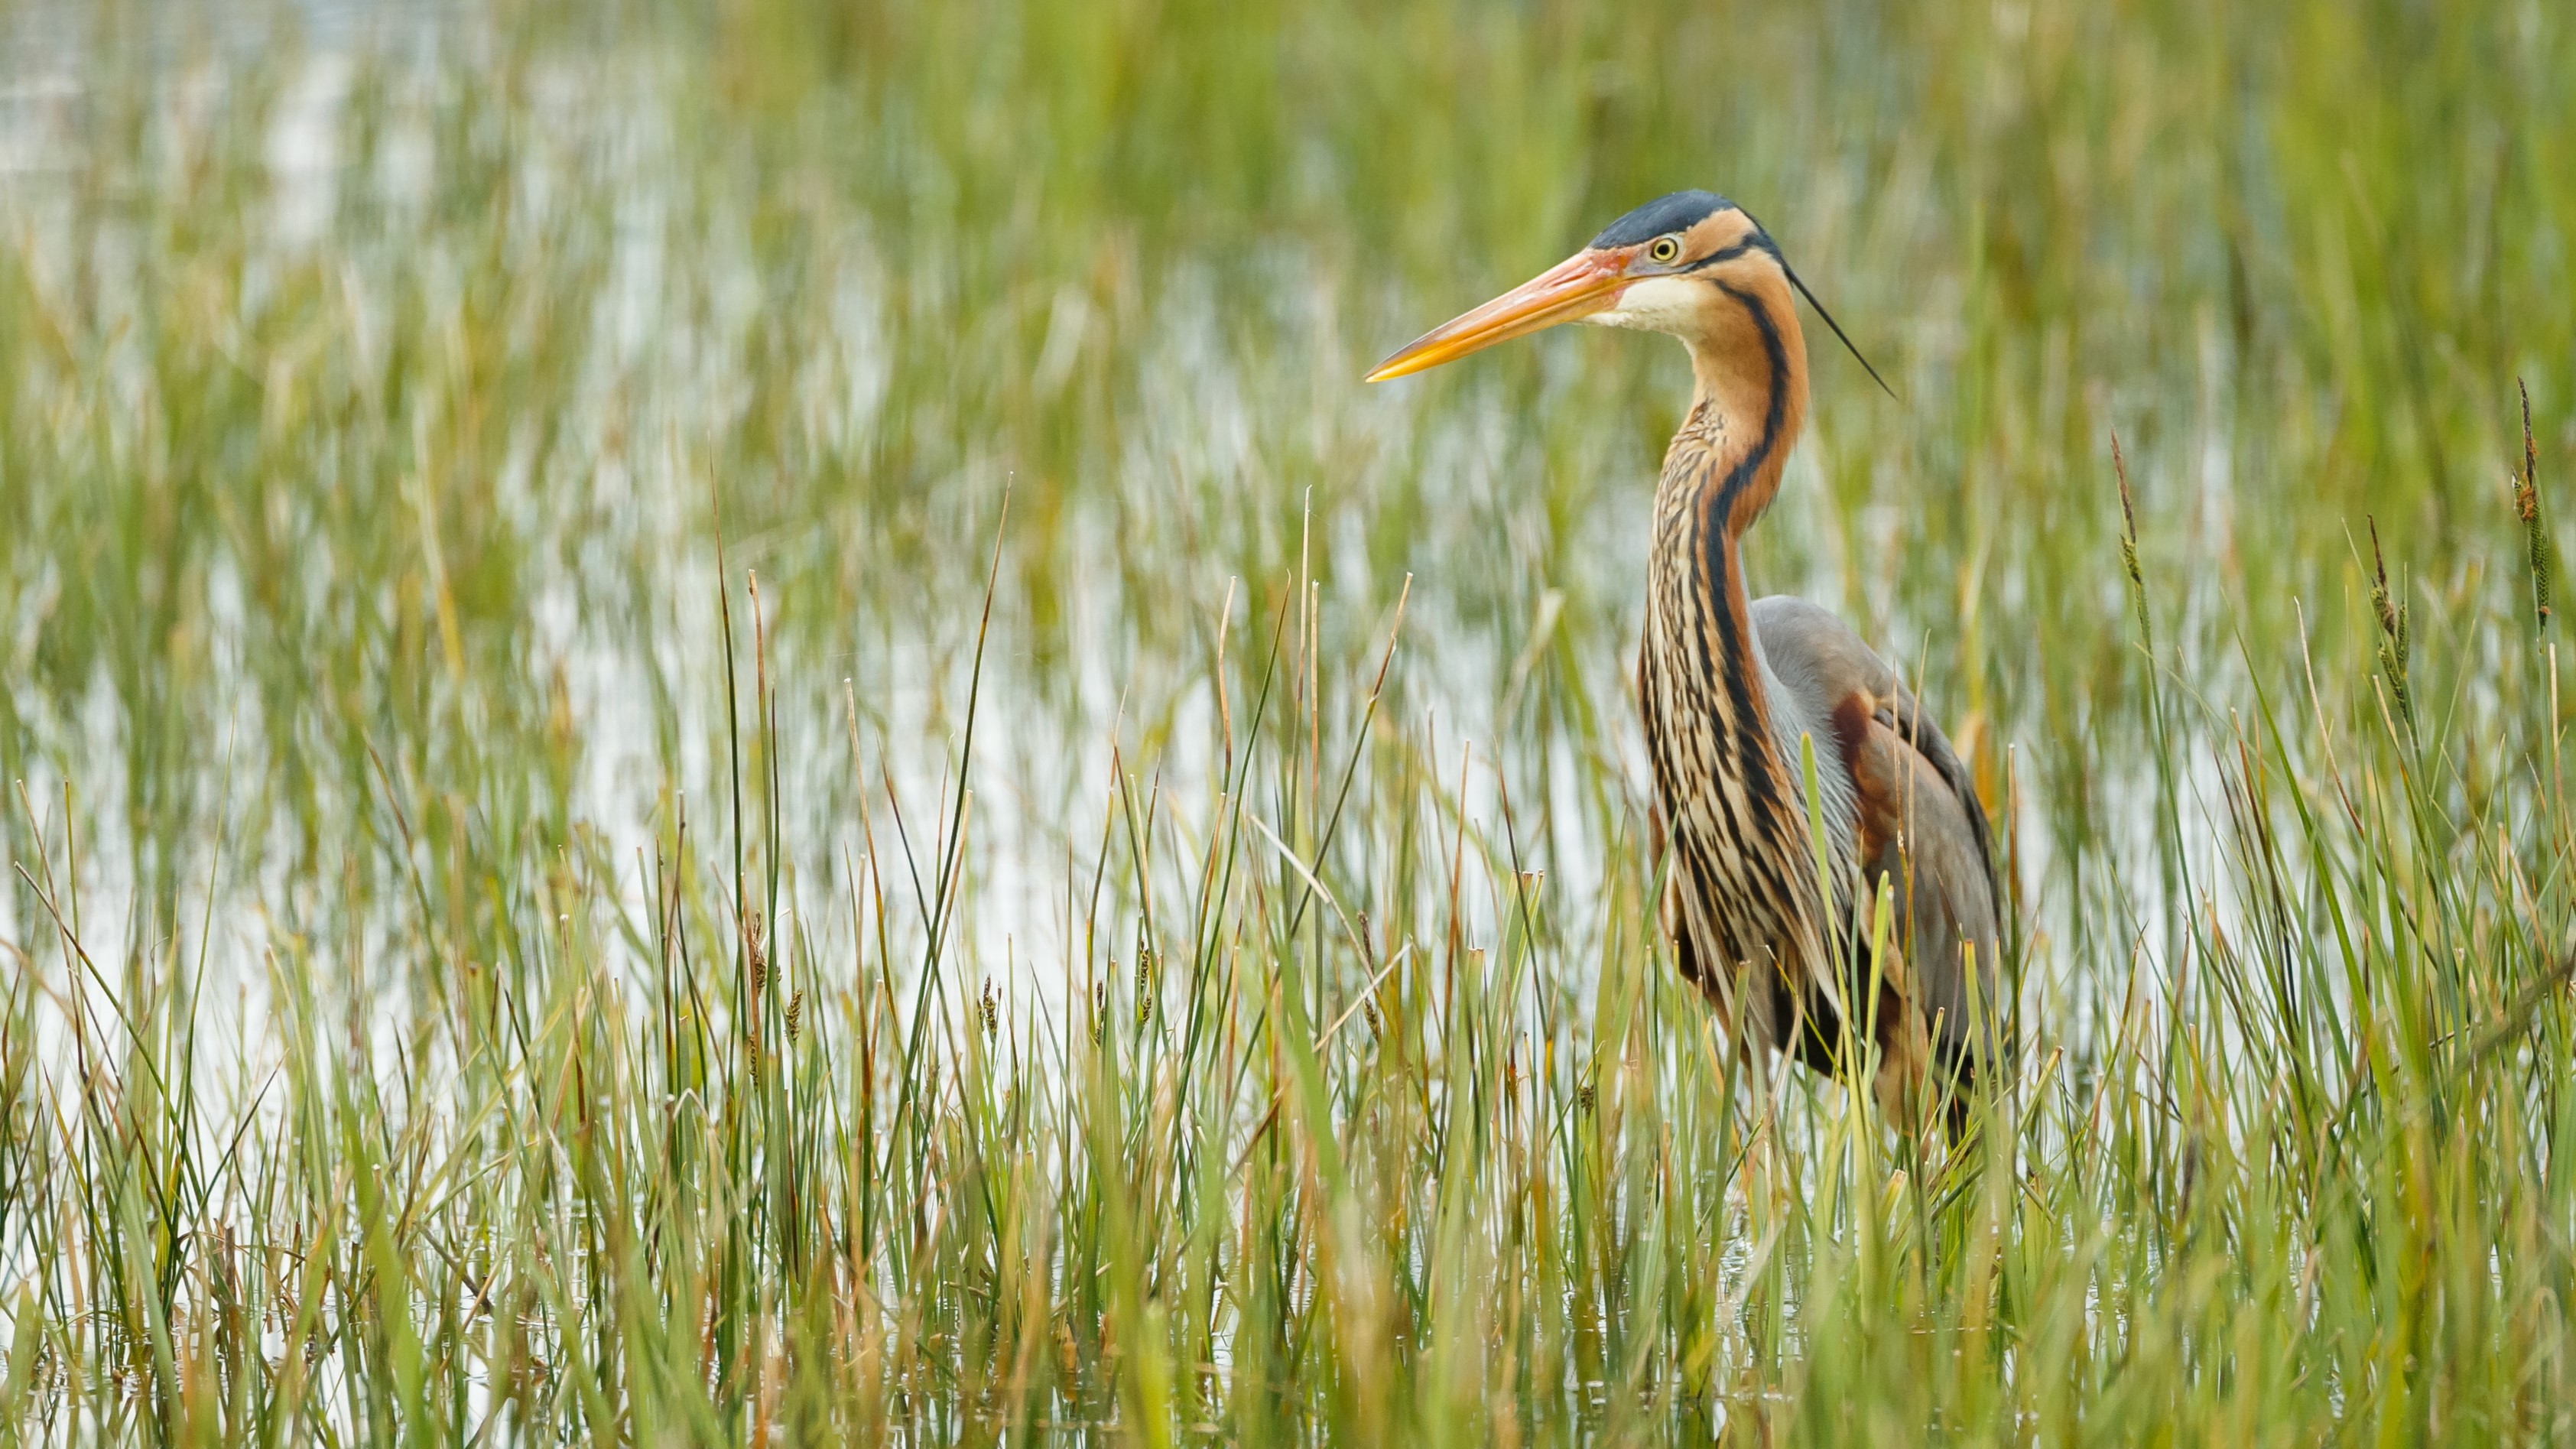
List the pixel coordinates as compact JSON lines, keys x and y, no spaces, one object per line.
{"x":1916,"y":817}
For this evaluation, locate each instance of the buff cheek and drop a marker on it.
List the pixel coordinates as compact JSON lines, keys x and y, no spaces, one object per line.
{"x":1658,"y":304}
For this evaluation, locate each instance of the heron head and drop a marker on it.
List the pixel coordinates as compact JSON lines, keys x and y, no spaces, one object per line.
{"x":1674,"y":265}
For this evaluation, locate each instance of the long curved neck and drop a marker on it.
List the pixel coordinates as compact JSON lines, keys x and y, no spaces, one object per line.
{"x":1749,"y":399}
{"x":1708,"y":692}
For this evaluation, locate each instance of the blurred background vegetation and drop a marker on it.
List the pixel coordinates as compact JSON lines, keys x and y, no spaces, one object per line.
{"x":395,"y":405}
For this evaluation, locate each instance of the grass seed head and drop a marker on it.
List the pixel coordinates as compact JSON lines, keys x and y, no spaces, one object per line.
{"x":2526,"y":504}
{"x":2389,"y":607}
{"x":2129,"y":548}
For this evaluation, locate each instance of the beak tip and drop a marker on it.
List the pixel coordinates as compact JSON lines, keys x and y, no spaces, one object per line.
{"x":1570,"y":291}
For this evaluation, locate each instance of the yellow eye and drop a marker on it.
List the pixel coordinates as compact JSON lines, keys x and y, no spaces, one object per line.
{"x":1665,"y":251}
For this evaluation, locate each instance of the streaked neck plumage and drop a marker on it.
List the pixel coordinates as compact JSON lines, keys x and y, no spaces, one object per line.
{"x":1712,"y":704}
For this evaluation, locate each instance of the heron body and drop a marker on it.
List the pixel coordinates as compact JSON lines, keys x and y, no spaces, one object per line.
{"x":1735,"y":691}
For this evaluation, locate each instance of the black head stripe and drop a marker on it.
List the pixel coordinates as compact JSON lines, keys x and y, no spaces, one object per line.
{"x":1754,"y":242}
{"x":1685,"y":209}
{"x":1677,"y":212}
{"x":1762,"y":237}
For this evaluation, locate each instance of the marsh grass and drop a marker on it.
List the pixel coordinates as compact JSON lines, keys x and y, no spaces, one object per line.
{"x":728,"y":723}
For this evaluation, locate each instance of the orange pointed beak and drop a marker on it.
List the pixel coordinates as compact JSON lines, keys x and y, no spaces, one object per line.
{"x":1582,"y":284}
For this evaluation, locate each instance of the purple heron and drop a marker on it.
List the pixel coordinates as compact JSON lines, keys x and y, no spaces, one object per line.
{"x":1729,"y":686}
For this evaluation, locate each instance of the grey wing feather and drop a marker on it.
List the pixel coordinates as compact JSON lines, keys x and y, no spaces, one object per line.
{"x":1953,"y":852}
{"x":1834,"y":687}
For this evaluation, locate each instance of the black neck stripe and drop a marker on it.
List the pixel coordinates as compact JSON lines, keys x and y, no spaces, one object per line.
{"x":1775,"y":354}
{"x":1737,"y":667}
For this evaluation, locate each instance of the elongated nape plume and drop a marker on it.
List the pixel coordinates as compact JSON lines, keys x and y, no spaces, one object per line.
{"x":1845,"y":337}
